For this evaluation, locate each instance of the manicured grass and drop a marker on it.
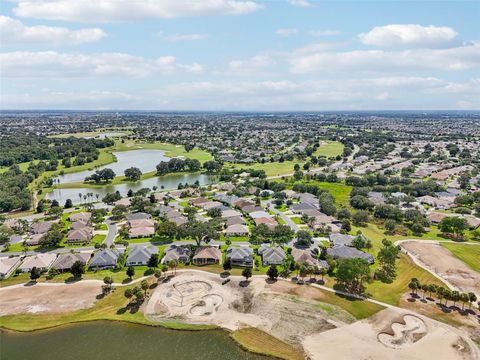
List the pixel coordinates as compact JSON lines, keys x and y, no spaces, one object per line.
{"x":257,"y":341}
{"x":406,"y":270}
{"x":271,"y":169}
{"x":296,"y":220}
{"x":469,"y":254}
{"x":329,"y":149}
{"x":340,"y":192}
{"x":98,"y":239}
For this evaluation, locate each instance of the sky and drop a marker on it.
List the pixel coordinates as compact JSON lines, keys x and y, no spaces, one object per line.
{"x":239,"y":55}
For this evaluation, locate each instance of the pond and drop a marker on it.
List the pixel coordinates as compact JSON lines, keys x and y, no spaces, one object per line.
{"x":102,"y":340}
{"x":145,"y":160}
{"x":169,"y":182}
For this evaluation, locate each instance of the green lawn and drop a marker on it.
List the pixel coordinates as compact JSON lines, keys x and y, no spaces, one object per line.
{"x":469,"y":254}
{"x":406,"y":270}
{"x":271,"y":169}
{"x":329,"y":149}
{"x":296,"y":220}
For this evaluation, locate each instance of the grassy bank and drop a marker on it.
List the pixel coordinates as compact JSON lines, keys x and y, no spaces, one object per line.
{"x":469,"y":254}
{"x":406,"y":270}
{"x":257,"y":341}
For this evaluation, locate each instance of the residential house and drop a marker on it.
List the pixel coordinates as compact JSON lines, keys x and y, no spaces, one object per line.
{"x":65,"y":261}
{"x":236,"y":220}
{"x":83,"y":217}
{"x":240,"y":256}
{"x":300,"y":207}
{"x":41,"y":227}
{"x":177,"y":253}
{"x":272,"y":255}
{"x":104,"y":259}
{"x":140,"y":254}
{"x":230,"y":213}
{"x":8,"y":265}
{"x":341,"y":239}
{"x":207,"y":255}
{"x":304,"y":256}
{"x":42,"y":262}
{"x":268,"y":221}
{"x":82,"y":235}
{"x":198,"y":202}
{"x":237,"y":230}
{"x":138,"y":216}
{"x":347,"y":252}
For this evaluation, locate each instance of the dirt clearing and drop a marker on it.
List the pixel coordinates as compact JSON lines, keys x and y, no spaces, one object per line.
{"x":442,"y":262}
{"x":48,"y":298}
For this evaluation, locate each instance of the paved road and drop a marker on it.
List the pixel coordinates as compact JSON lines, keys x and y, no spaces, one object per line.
{"x":112,"y":232}
{"x":288,"y":221}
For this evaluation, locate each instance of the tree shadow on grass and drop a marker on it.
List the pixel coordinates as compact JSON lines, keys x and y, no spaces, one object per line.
{"x":127,"y":280}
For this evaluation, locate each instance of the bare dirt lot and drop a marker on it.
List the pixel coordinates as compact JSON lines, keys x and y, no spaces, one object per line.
{"x":445,"y":264}
{"x":388,"y":335}
{"x":48,"y":298}
{"x":201,"y":298}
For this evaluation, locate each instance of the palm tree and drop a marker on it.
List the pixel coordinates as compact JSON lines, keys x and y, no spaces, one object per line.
{"x":440,"y":293}
{"x":80,"y":196}
{"x":471,"y":298}
{"x":455,"y":297}
{"x":425,"y":289}
{"x":464,"y":298}
{"x":432,"y":288}
{"x":447,"y":295}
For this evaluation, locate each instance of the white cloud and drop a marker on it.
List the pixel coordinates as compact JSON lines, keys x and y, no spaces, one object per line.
{"x":318,"y":33}
{"x":182,"y":37}
{"x":360,"y":93}
{"x":129,"y":10}
{"x":409,"y":35}
{"x":286,"y":32}
{"x":453,"y":59}
{"x":255,"y":65}
{"x":15,"y":32}
{"x":53,"y":64}
{"x":302,"y":3}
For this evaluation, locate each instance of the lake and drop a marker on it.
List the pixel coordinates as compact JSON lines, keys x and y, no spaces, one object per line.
{"x":169,"y":182}
{"x":145,"y":160}
{"x":101,"y":340}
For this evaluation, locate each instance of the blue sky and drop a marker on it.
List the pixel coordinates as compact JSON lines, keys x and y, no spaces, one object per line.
{"x":239,"y":55}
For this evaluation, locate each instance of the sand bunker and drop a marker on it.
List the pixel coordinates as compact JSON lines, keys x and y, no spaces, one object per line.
{"x":48,"y":298}
{"x":200,"y":298}
{"x":441,"y":261}
{"x":207,"y":305}
{"x":408,"y":329}
{"x":390,"y":335}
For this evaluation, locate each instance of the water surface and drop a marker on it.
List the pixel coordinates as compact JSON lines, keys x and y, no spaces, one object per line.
{"x":145,"y":160}
{"x":117,"y":341}
{"x":169,"y":182}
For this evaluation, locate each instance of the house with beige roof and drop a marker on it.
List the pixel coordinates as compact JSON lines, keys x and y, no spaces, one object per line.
{"x":8,"y":265}
{"x":207,"y":255}
{"x":43,"y":262}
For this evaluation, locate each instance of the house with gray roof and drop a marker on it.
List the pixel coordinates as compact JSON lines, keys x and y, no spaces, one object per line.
{"x":139,"y":216}
{"x":272,"y":255}
{"x":301,"y":207}
{"x":240,"y":256}
{"x":65,"y":261}
{"x":347,"y":252}
{"x":104,"y":259}
{"x":177,"y":253}
{"x":341,"y":239}
{"x":140,"y":254}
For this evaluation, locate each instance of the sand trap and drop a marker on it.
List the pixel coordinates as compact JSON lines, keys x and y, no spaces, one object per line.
{"x":391,"y":335}
{"x":407,"y":330}
{"x":48,"y":298}
{"x":207,"y":306}
{"x":441,"y":261}
{"x":200,"y":298}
